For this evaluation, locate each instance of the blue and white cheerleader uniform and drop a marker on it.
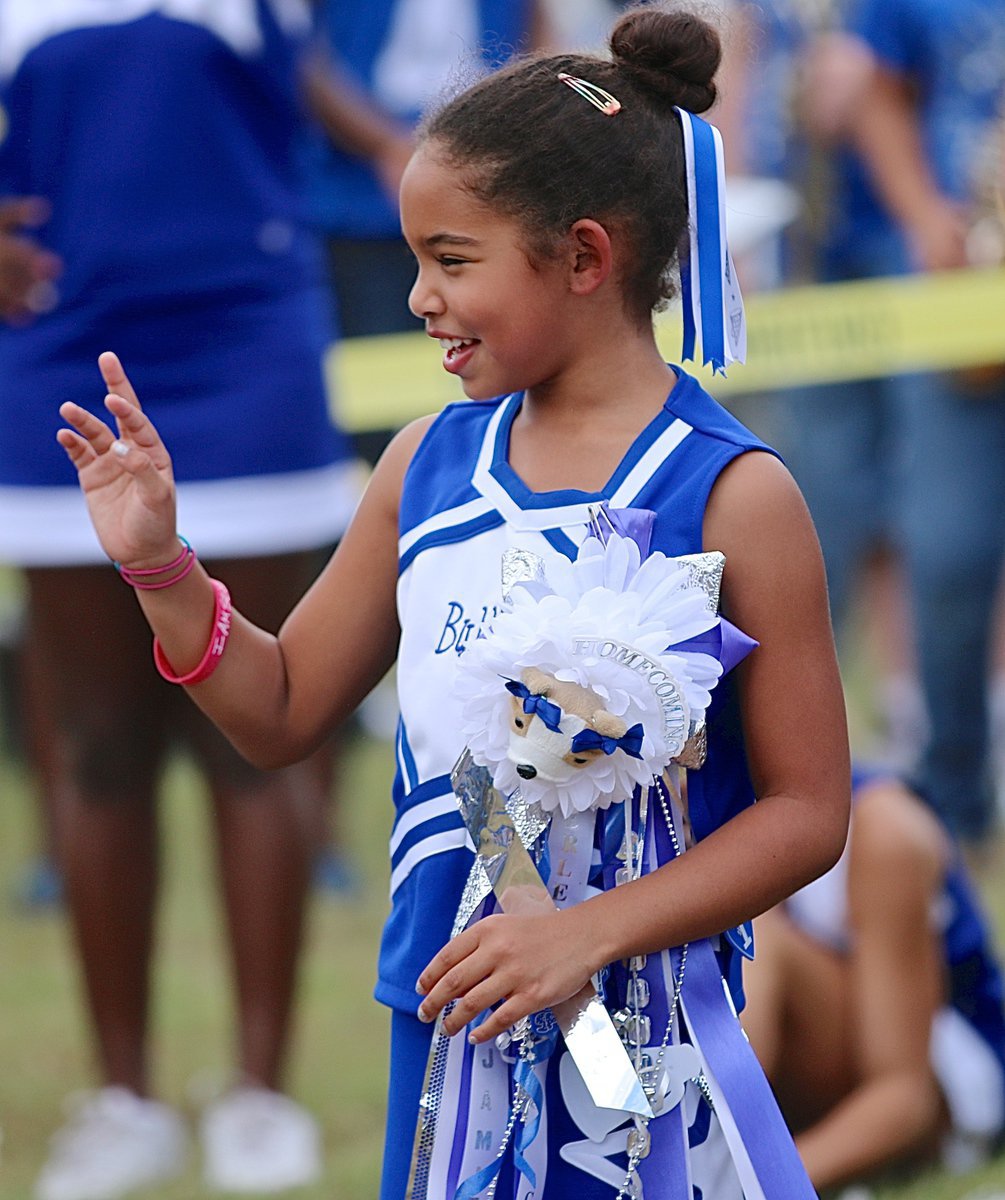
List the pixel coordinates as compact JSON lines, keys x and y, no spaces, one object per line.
{"x":164,"y":134}
{"x":967,"y":1049}
{"x":462,"y":508}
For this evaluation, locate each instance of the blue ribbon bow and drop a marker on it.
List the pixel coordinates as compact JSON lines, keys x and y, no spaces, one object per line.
{"x":536,"y":705}
{"x":589,"y":739}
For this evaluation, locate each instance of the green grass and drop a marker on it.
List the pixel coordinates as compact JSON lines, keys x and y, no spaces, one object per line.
{"x":339,"y":1060}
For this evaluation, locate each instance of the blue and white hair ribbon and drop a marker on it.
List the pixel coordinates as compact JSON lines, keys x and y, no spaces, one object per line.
{"x":710,"y":292}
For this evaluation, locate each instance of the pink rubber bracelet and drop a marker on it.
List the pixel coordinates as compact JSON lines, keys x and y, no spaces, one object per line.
{"x":222,"y":613}
{"x":185,"y":551}
{"x":141,"y":586}
{"x":138,"y":578}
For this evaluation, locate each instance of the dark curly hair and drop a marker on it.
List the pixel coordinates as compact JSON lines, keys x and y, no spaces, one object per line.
{"x":531,"y":147}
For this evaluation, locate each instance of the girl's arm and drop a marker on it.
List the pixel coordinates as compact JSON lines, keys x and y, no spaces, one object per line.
{"x":797,"y":744}
{"x":896,"y":865}
{"x":275,"y":697}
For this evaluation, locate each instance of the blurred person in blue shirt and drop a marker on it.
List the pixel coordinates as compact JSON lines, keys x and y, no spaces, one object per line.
{"x":930,"y":128}
{"x":392,"y":58}
{"x":151,"y":199}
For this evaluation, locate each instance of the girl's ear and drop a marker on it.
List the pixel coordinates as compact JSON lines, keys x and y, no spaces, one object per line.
{"x":591,"y":256}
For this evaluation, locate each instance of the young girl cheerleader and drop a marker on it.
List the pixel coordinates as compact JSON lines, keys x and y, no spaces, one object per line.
{"x":546,"y":566}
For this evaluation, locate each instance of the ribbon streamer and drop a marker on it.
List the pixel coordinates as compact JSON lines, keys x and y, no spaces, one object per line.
{"x":713,"y":306}
{"x":760,"y":1145}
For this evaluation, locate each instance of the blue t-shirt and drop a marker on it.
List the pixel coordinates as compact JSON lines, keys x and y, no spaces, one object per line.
{"x":347,"y":199}
{"x":856,"y":236}
{"x":953,"y":53}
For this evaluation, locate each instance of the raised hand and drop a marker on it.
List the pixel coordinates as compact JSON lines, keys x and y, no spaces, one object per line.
{"x":126,"y":476}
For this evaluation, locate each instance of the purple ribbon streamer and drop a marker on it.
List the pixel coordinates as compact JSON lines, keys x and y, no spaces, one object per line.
{"x":735,"y":1067}
{"x":461,"y":1129}
{"x":634,"y":523}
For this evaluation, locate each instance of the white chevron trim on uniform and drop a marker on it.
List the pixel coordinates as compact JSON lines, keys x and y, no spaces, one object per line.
{"x":443,"y":520}
{"x":521,"y":519}
{"x":439,"y":843}
{"x":649,"y":463}
{"x":439,"y":806}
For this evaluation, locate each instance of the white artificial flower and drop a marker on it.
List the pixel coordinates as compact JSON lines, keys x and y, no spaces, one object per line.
{"x":603,"y":622}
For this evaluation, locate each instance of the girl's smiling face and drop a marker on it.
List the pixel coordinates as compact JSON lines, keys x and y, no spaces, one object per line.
{"x":499,"y":316}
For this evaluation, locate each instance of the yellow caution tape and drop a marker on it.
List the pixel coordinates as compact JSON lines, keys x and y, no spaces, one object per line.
{"x":796,"y":336}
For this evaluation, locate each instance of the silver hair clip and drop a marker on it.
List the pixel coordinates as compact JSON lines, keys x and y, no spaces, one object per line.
{"x":596,"y":96}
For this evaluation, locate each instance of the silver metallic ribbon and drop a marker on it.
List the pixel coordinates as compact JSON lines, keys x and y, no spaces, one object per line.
{"x":586,"y":1025}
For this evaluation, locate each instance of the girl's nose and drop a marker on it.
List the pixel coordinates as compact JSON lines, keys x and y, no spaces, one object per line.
{"x":423,"y":300}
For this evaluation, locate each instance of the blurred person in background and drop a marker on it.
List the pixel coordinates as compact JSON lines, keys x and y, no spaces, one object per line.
{"x":889,"y":120}
{"x":874,"y":1000}
{"x":930,"y":127}
{"x":792,"y":75}
{"x":152,"y":201}
{"x":392,"y":58}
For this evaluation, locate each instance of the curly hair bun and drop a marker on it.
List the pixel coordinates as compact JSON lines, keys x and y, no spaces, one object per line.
{"x":671,"y":53}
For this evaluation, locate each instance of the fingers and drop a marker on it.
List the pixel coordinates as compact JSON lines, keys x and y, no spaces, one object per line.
{"x":504,"y":1017}
{"x":467,"y":1008}
{"x":452,"y":953}
{"x":135,"y":446}
{"x":115,"y":377}
{"x":474,"y":989}
{"x":136,"y":428}
{"x":137,"y":449}
{"x":456,"y":969}
{"x":27,"y":271}
{"x":469,"y":974}
{"x":79,"y":449}
{"x":89,"y":429}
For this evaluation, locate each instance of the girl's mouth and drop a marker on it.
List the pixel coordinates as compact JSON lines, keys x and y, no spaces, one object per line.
{"x":457,"y":353}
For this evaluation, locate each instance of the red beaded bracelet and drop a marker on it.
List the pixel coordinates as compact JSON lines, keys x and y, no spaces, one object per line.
{"x":222,"y":613}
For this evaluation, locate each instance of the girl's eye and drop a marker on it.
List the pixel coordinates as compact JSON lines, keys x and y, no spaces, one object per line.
{"x":448,"y":261}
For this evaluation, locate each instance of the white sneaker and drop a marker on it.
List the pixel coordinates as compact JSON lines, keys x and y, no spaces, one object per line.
{"x":260,"y":1141}
{"x":114,"y":1143}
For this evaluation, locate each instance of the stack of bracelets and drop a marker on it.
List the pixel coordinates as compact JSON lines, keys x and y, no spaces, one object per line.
{"x":152,"y":579}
